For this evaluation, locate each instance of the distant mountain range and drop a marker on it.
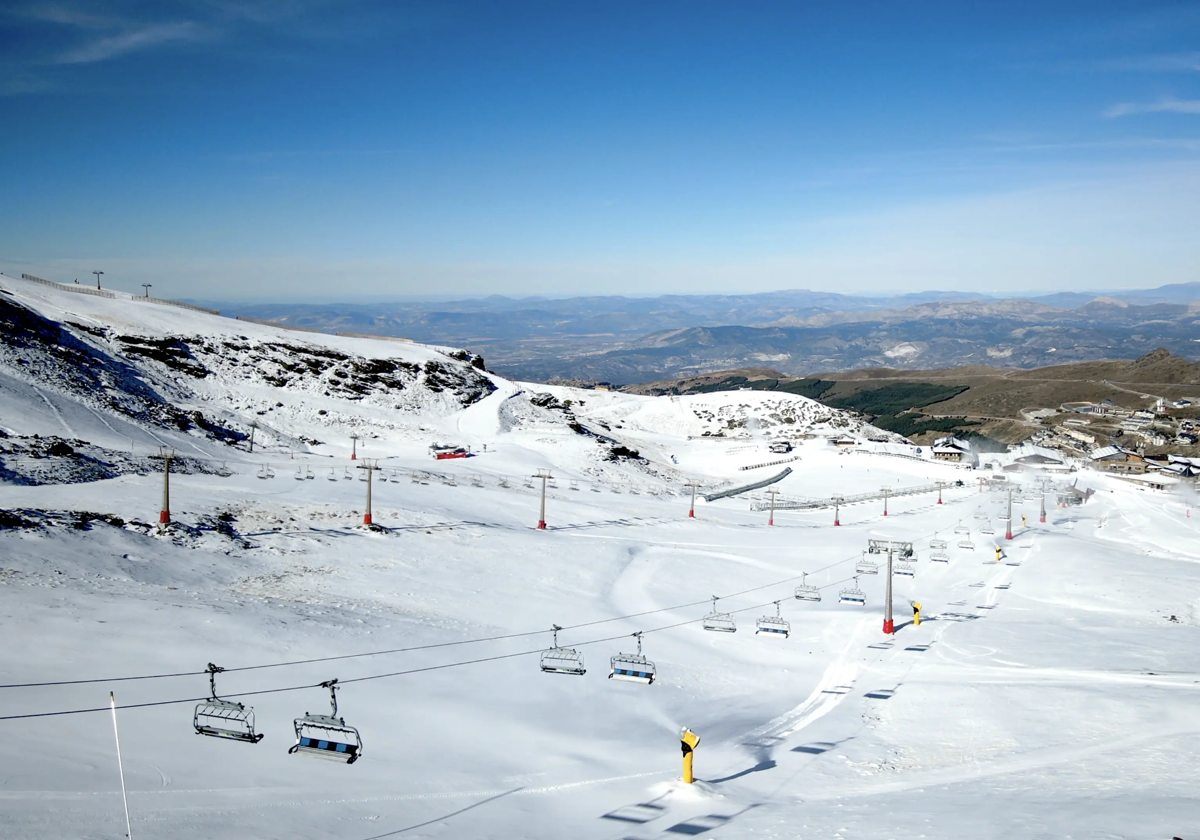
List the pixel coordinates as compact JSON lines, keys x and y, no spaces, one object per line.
{"x":625,"y":340}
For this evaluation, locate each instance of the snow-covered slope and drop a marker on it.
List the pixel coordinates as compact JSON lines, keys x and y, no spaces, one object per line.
{"x":1047,"y":695}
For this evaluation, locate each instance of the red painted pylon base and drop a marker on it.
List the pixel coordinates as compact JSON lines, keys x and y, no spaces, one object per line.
{"x":1043,"y":520}
{"x":164,"y":517}
{"x":691,"y":514}
{"x":770,"y":521}
{"x":885,"y":513}
{"x":541,"y":525}
{"x":1008,"y":536}
{"x":837,"y":522}
{"x":367,"y":519}
{"x":353,"y":456}
{"x":939,"y":501}
{"x":889,"y":627}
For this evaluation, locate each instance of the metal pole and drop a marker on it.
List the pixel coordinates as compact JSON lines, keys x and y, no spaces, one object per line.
{"x":888,"y":625}
{"x":367,"y":518}
{"x":837,"y":501}
{"x":147,"y":287}
{"x":353,"y":447}
{"x":1043,"y":507}
{"x":97,"y":273}
{"x":112,"y":701}
{"x":253,"y":426}
{"x":692,"y":509}
{"x":542,"y":513}
{"x":885,"y":498}
{"x":939,"y":492}
{"x":1008,"y":530}
{"x":772,"y":494}
{"x":164,"y":516}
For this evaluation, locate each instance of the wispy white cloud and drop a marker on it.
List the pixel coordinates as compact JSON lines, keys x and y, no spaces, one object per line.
{"x":62,"y":13}
{"x":1171,"y":106}
{"x":1165,"y":63}
{"x":135,"y":40}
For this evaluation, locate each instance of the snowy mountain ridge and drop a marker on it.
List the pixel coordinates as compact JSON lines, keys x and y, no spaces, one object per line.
{"x":1048,"y":690}
{"x":199,"y":375}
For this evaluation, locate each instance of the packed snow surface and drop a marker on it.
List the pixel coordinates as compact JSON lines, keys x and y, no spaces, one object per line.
{"x":1050,"y":693}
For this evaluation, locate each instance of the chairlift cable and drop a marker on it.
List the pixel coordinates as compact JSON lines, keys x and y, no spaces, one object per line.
{"x":391,"y":651}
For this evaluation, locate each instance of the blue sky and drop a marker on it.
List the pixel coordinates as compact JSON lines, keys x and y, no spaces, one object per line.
{"x":326,"y":150}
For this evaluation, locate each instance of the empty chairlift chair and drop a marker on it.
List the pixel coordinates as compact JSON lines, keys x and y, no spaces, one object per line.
{"x":853,"y":595}
{"x":719,"y":622}
{"x":866,"y":567}
{"x":806,"y":591}
{"x":346,"y":475}
{"x":299,"y":473}
{"x":962,"y":530}
{"x":774,"y":625}
{"x":223,"y":718}
{"x":966,"y":543}
{"x":987,"y":528}
{"x":561,"y":660}
{"x":632,"y":667}
{"x":224,"y":472}
{"x":262,"y":471}
{"x":903,"y":569}
{"x":332,"y":475}
{"x":309,"y":474}
{"x":327,"y":736}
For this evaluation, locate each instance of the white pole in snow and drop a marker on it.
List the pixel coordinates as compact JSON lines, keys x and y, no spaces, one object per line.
{"x":112,"y":699}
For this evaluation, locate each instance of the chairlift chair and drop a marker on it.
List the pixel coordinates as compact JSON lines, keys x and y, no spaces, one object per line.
{"x":595,"y":488}
{"x":347,"y":476}
{"x":574,"y":485}
{"x":270,"y":472}
{"x":219,"y":718}
{"x":262,"y":471}
{"x":866,"y":567}
{"x":327,"y":736}
{"x":967,"y":544}
{"x":224,"y":472}
{"x":633,"y":667}
{"x":309,"y":474}
{"x":476,"y":480}
{"x":719,"y":622}
{"x":981,"y":515}
{"x":940,"y":556}
{"x":987,"y":529}
{"x":332,"y":475}
{"x":774,"y":625}
{"x":937,"y":545}
{"x":962,"y":530}
{"x":560,"y":660}
{"x":806,"y":591}
{"x":503,"y":481}
{"x":853,"y":595}
{"x":903,"y":569}
{"x":299,"y":474}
